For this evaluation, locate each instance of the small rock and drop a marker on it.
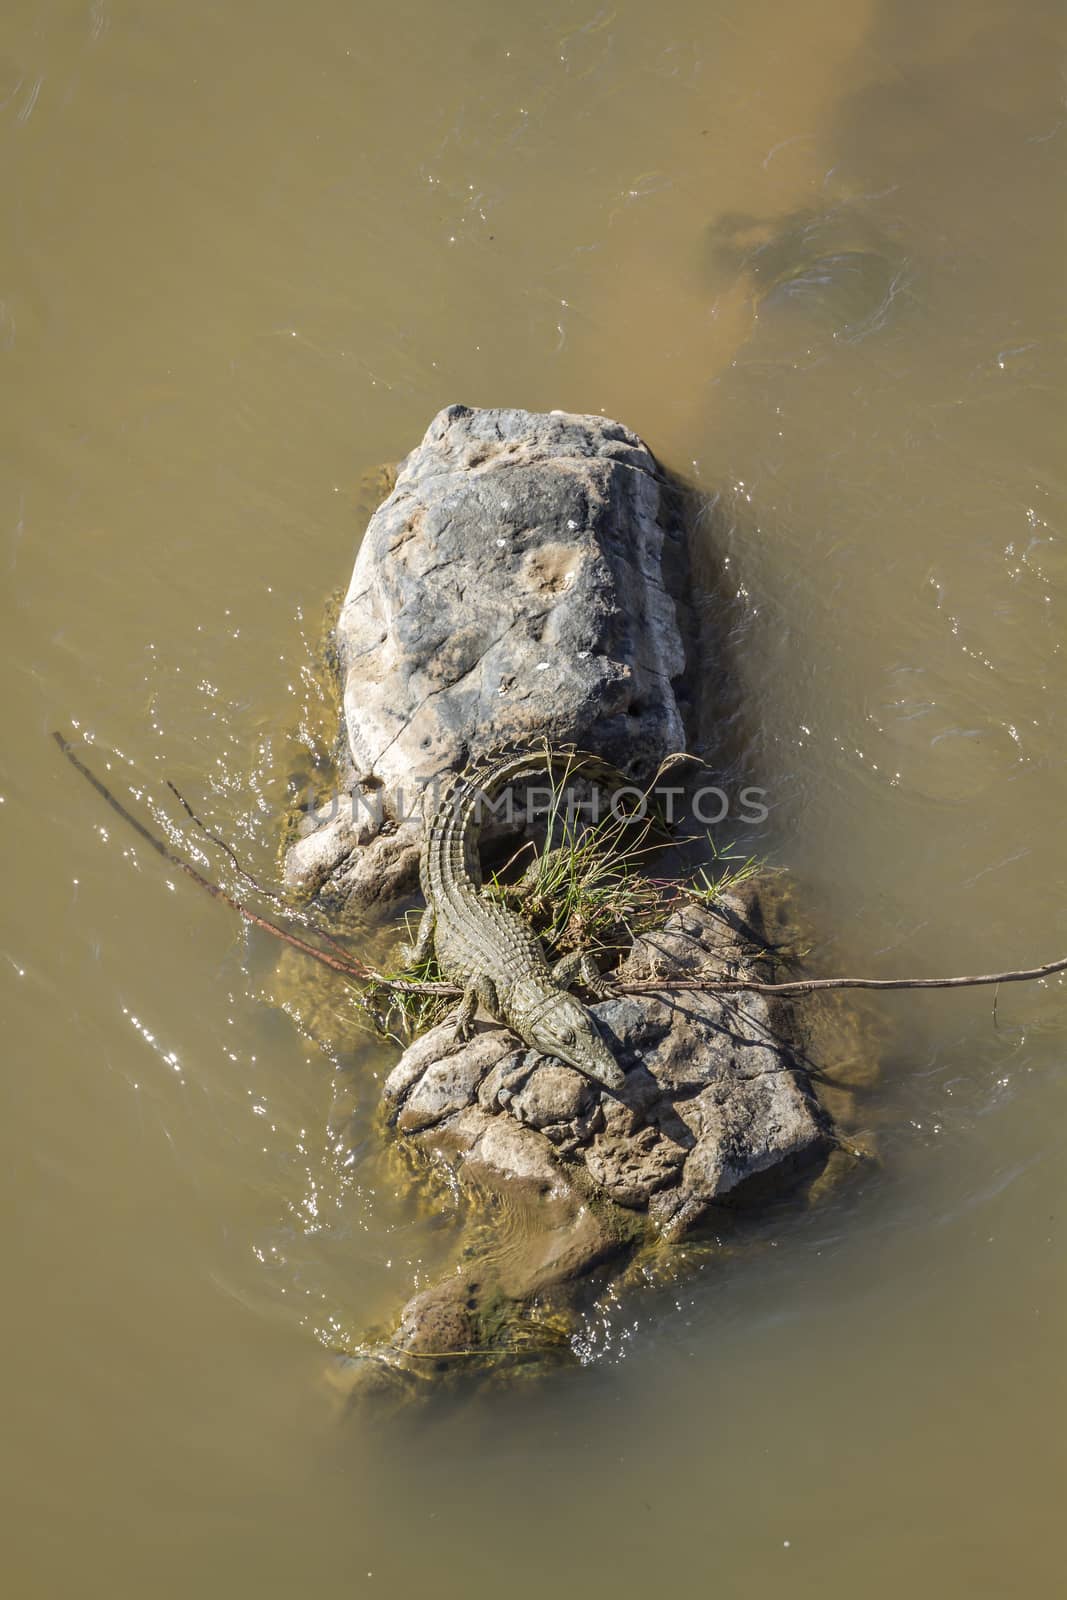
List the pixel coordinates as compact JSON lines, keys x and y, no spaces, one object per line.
{"x":551,"y":1094}
{"x":435,"y":1077}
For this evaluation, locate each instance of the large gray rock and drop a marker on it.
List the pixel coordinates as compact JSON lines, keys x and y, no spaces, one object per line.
{"x":520,"y":582}
{"x":525,"y":581}
{"x":716,"y":1107}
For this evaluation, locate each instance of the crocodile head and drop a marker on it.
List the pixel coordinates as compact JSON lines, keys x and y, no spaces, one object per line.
{"x":560,"y":1026}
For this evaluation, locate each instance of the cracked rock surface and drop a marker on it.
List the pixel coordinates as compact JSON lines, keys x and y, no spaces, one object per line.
{"x":520,"y":582}
{"x":715,"y":1101}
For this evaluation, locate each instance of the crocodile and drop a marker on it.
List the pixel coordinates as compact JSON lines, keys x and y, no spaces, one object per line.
{"x":490,"y":949}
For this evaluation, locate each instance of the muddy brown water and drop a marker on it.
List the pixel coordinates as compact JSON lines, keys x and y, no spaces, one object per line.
{"x":814,"y":254}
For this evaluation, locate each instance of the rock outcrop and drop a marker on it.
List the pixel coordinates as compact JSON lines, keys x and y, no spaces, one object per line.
{"x":715,"y":1108}
{"x":523,"y":580}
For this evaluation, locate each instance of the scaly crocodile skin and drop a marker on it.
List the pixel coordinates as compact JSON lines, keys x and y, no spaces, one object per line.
{"x":490,"y":950}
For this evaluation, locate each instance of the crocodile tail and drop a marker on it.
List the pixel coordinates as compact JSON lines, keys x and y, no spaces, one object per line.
{"x":472,"y":796}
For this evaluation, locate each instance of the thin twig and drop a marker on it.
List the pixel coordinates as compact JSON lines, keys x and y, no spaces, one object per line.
{"x":356,"y":970}
{"x":364,"y":974}
{"x":808,"y":985}
{"x":268,"y":894}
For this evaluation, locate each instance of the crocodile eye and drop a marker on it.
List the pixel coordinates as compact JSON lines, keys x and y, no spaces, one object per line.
{"x":567,"y":1036}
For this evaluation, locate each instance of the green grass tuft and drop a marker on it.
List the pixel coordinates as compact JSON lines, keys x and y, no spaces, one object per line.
{"x":710,"y":889}
{"x":591,"y":888}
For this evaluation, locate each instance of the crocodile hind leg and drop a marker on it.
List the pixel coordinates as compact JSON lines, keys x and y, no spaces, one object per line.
{"x":479,"y":991}
{"x":413,"y":955}
{"x":541,"y":872}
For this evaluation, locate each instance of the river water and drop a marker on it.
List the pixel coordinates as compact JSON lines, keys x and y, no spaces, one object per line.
{"x":814,"y":254}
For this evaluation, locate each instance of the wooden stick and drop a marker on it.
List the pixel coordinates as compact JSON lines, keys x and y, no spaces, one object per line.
{"x":295,"y":913}
{"x":349,"y":969}
{"x":358,"y":971}
{"x":809,"y":985}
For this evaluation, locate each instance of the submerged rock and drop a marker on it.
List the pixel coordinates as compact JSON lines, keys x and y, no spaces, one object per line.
{"x":520,"y":582}
{"x":716,"y":1107}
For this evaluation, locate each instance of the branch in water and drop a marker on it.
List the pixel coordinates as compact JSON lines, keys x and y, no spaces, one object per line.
{"x":268,"y":894}
{"x":356,"y":970}
{"x":361,"y":973}
{"x":809,"y":985}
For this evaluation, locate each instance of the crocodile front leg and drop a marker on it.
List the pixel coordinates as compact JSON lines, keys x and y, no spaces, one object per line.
{"x":579,"y":964}
{"x":479,"y":991}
